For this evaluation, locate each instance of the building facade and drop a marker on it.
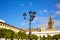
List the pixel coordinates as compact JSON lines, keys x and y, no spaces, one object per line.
{"x":50,"y":31}
{"x":7,"y":26}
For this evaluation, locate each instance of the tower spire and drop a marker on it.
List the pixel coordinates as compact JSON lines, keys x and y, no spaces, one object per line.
{"x":51,"y":17}
{"x":51,"y":24}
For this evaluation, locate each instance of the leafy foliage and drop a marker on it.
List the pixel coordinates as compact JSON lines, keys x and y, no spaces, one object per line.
{"x":7,"y":33}
{"x":56,"y":36}
{"x":49,"y":37}
{"x":34,"y":36}
{"x":43,"y":38}
{"x":2,"y":33}
{"x":22,"y":35}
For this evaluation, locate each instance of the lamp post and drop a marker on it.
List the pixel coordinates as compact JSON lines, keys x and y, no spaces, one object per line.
{"x":32,"y":16}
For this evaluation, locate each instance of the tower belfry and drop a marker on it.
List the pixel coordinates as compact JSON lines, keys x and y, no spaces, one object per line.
{"x":51,"y":24}
{"x":51,"y":18}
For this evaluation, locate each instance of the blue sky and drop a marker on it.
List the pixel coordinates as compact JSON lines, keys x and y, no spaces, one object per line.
{"x":11,"y":11}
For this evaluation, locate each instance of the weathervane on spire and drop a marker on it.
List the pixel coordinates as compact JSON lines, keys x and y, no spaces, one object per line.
{"x":51,"y":14}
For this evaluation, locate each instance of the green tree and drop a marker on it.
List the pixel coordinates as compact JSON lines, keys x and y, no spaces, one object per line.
{"x":7,"y":33}
{"x":22,"y":35}
{"x":2,"y":33}
{"x":56,"y":36}
{"x":49,"y":37}
{"x":16,"y":36}
{"x":43,"y":38}
{"x":12,"y":34}
{"x":34,"y":36}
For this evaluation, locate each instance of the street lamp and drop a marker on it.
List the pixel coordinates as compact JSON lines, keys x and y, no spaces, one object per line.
{"x":32,"y":16}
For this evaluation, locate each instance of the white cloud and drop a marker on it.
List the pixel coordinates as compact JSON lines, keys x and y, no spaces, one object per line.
{"x":45,"y":20}
{"x":40,"y":21}
{"x":22,"y":24}
{"x":45,"y":10}
{"x":37,"y":22}
{"x":30,"y":3}
{"x":2,"y":21}
{"x":58,"y":5}
{"x":57,"y":22}
{"x":57,"y":12}
{"x":25,"y":24}
{"x":21,"y":4}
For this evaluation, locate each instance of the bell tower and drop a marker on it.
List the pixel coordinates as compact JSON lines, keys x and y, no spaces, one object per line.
{"x":51,"y":24}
